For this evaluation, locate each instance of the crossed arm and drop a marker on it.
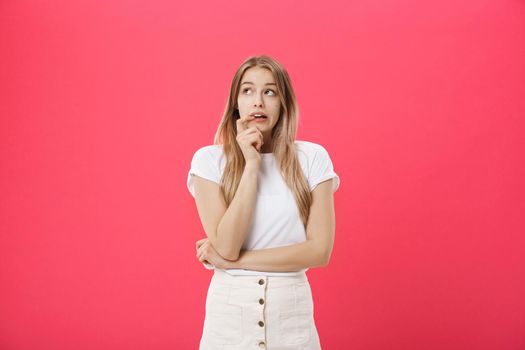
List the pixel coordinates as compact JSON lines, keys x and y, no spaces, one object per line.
{"x":281,"y":259}
{"x":314,"y":252}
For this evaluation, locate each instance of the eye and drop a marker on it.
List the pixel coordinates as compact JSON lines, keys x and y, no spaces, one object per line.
{"x":273,"y":93}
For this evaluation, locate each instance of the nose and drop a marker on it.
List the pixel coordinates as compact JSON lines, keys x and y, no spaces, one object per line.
{"x":257,"y":101}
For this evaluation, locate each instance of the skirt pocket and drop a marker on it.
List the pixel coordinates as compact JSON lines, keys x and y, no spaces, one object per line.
{"x":223,"y":321}
{"x":295,"y":326}
{"x":303,"y":296}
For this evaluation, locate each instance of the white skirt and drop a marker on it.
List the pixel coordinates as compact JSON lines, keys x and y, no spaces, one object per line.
{"x":259,"y":312}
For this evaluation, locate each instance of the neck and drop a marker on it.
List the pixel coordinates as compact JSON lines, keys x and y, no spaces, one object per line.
{"x":267,"y":146}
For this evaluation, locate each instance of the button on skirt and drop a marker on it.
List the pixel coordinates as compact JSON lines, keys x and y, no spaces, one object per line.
{"x":259,"y":312}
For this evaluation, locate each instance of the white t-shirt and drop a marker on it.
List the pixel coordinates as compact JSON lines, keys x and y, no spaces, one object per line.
{"x":276,"y":221}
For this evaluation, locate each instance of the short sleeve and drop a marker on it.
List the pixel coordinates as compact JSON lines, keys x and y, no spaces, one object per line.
{"x":322,"y":169}
{"x":203,"y":164}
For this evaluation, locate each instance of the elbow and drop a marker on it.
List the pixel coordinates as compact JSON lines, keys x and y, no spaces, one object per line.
{"x":226,"y":250}
{"x":324,"y":262}
{"x":321,"y":255}
{"x":227,"y":253}
{"x":325,"y":258}
{"x":232,"y":256}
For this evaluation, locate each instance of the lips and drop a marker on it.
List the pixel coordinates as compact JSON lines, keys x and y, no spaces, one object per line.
{"x":258,"y":115}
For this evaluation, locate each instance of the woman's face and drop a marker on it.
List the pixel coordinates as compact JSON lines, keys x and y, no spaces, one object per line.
{"x":258,"y":93}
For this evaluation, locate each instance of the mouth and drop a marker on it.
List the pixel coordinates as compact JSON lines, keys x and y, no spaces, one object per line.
{"x":259,"y":115}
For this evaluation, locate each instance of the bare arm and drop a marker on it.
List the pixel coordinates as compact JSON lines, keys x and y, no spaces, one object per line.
{"x":281,"y":259}
{"x":314,"y":252}
{"x":227,"y":227}
{"x":234,"y":225}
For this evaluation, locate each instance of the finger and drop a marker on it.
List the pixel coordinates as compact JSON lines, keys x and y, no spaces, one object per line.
{"x":242,"y":122}
{"x":256,"y":131}
{"x":248,"y":131}
{"x":262,"y":137}
{"x":251,"y":139}
{"x":255,"y":141}
{"x":200,"y":241}
{"x":203,"y":248}
{"x":246,"y":119}
{"x":200,"y":256}
{"x":248,"y":138}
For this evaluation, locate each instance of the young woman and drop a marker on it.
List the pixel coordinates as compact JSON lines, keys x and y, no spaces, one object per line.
{"x":266,"y":203}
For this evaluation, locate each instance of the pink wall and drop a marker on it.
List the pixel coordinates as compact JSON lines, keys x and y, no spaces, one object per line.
{"x":420,"y":104}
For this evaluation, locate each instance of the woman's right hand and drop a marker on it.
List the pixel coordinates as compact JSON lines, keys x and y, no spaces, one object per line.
{"x":250,"y":140}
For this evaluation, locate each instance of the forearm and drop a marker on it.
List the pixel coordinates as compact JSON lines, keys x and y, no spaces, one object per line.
{"x":281,"y":259}
{"x":234,"y":225}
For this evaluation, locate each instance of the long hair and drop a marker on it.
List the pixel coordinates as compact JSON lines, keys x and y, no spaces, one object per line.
{"x":283,"y":136}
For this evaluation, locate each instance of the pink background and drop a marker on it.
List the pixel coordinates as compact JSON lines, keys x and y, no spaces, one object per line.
{"x":419,"y":103}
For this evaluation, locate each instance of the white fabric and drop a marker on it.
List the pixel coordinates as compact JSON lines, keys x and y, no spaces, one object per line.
{"x":235,"y":319}
{"x":276,"y":220}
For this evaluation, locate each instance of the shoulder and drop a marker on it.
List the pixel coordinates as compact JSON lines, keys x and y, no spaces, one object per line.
{"x":206,"y":163}
{"x":209,"y":152}
{"x":313,"y":155}
{"x":309,"y":148}
{"x":210,"y":157}
{"x":316,"y":163}
{"x":212,"y":149}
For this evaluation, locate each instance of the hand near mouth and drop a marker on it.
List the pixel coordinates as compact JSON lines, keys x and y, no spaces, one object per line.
{"x":250,"y":139}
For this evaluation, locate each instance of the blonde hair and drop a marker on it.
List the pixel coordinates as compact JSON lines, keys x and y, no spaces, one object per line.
{"x":283,"y":136}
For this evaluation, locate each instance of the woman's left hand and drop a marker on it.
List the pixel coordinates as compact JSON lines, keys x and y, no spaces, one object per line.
{"x":206,"y":253}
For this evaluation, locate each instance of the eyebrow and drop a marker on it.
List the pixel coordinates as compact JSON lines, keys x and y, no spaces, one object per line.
{"x":249,"y":82}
